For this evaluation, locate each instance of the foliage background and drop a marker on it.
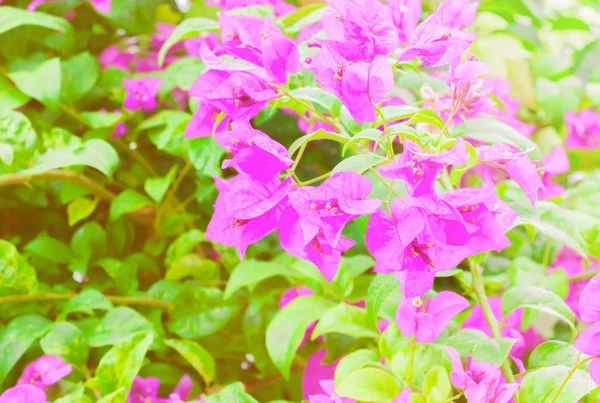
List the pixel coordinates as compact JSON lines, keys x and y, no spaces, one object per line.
{"x":102,"y":237}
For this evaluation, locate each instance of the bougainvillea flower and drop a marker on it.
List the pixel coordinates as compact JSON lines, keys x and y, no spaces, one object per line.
{"x":417,"y":240}
{"x":365,"y":25}
{"x":426,"y":321}
{"x":102,"y":6}
{"x":315,"y":372}
{"x":112,"y":56}
{"x":23,"y":394}
{"x":555,"y":163}
{"x":517,"y":165}
{"x":589,"y":304}
{"x":203,"y":121}
{"x":330,"y":396}
{"x":317,"y":249}
{"x":460,"y":13}
{"x":254,"y":214}
{"x":359,"y":85}
{"x":406,"y":15}
{"x":419,"y":169}
{"x":193,"y":46}
{"x":486,"y":217}
{"x":279,"y":53}
{"x":145,"y":390}
{"x":239,"y":95}
{"x":330,"y":206}
{"x":584,"y":129}
{"x":403,"y":397}
{"x":45,"y":371}
{"x":587,"y":343}
{"x":141,"y":93}
{"x":254,"y":153}
{"x":435,"y":44}
{"x":481,"y":382}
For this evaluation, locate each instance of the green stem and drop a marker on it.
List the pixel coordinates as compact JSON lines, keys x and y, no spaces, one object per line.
{"x":482,"y":298}
{"x":60,"y":175}
{"x":382,"y":180}
{"x":571,"y":372}
{"x":313,"y":180}
{"x":144,"y":301}
{"x":584,"y":276}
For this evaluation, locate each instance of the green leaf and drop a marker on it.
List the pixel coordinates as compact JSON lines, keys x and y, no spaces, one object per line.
{"x":492,"y":131}
{"x":85,"y":302}
{"x":437,"y":383}
{"x":345,"y":319}
{"x":187,"y":29}
{"x":251,"y":272}
{"x":16,"y":338}
{"x":80,"y":209}
{"x":233,"y":393}
{"x":124,"y":273}
{"x":425,"y":357}
{"x":321,"y":99}
{"x":380,"y":289}
{"x":193,"y":265}
{"x":127,"y":202}
{"x":67,"y":341}
{"x":157,"y":187}
{"x":16,"y":275}
{"x":524,"y":271}
{"x":205,"y":153}
{"x":542,"y":385}
{"x":183,"y":245}
{"x":166,"y":131}
{"x":11,"y":18}
{"x":360,"y":163}
{"x":94,"y":153}
{"x":49,"y":248}
{"x":197,"y":356}
{"x":75,"y":396}
{"x":369,"y":385}
{"x":43,"y":83}
{"x":88,"y":243}
{"x":559,"y":224}
{"x":79,"y":74}
{"x":429,"y":117}
{"x":396,"y":112}
{"x":119,"y":366}
{"x":118,"y":325}
{"x":99,"y":120}
{"x":199,"y":311}
{"x":286,"y":329}
{"x":479,"y":345}
{"x":551,"y":353}
{"x":354,"y":361}
{"x":539,"y":299}
{"x":557,"y":97}
{"x":318,"y":135}
{"x":10,"y":96}
{"x":300,"y":14}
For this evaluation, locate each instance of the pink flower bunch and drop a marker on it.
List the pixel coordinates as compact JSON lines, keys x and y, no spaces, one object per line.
{"x":36,"y":377}
{"x":145,"y":390}
{"x":589,"y":312}
{"x":427,"y":233}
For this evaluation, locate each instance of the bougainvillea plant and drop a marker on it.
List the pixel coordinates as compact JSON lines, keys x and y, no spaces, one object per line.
{"x":279,"y":201}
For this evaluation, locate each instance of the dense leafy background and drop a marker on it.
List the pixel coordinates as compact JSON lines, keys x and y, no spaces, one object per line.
{"x":103,"y":257}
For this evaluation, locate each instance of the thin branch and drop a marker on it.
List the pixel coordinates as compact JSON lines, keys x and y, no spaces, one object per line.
{"x":118,"y":300}
{"x":60,"y":175}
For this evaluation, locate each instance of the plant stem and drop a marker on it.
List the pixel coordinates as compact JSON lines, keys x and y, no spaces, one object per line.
{"x":136,"y":156}
{"x":571,"y":372}
{"x":313,"y":180}
{"x":61,"y":175}
{"x":584,"y":276}
{"x":489,"y":317}
{"x":144,"y":301}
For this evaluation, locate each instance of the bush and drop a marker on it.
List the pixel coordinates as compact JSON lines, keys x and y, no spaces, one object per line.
{"x":269,"y":201}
